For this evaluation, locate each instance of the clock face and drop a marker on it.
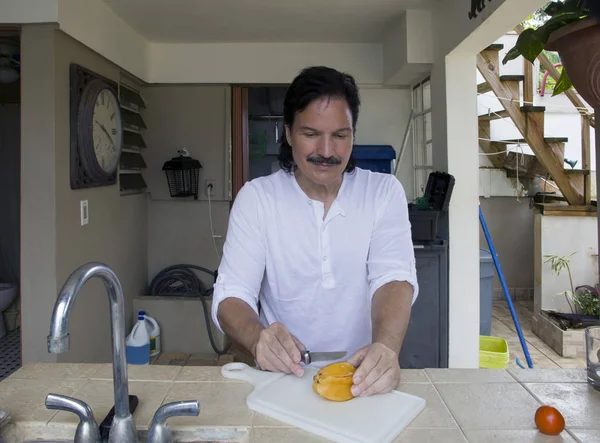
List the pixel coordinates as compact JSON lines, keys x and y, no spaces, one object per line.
{"x":107,"y":131}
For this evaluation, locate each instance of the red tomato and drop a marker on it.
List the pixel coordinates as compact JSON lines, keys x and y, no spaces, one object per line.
{"x":549,"y":420}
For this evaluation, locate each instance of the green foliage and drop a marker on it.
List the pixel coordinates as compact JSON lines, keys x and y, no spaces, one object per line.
{"x":588,"y":302}
{"x":554,"y":16}
{"x":558,"y":263}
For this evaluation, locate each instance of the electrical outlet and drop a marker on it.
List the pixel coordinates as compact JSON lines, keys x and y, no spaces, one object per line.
{"x":209,"y":190}
{"x":85,"y":216}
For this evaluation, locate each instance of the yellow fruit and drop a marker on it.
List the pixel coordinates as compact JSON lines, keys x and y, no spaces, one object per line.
{"x":333,"y":382}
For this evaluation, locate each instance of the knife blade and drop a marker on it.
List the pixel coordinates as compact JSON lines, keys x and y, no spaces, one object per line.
{"x":308,"y":357}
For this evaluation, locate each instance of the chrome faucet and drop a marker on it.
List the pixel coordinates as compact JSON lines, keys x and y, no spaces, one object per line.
{"x":159,"y":431}
{"x":87,"y":429}
{"x":123,"y":428}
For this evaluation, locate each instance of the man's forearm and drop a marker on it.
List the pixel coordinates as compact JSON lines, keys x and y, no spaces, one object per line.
{"x":390,"y":314}
{"x":239,"y":321}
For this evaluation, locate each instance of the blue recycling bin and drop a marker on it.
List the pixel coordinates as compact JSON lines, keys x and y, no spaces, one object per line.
{"x":377,"y":158}
{"x":486,"y":291}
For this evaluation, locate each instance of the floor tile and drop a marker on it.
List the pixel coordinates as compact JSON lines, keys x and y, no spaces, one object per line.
{"x":27,"y":400}
{"x":10,"y":353}
{"x":431,"y":436}
{"x":413,"y":376}
{"x":141,"y":373}
{"x":274,"y":435}
{"x":490,"y":406}
{"x":264,"y":421}
{"x":586,"y":436}
{"x":435,"y":415}
{"x":190,"y":374}
{"x":577,"y":402}
{"x":532,"y":436}
{"x":469,"y":376}
{"x":550,"y":375}
{"x":221,"y":404}
{"x":56,"y":371}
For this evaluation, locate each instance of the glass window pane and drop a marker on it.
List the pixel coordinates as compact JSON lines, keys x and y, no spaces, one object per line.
{"x":427,"y":95}
{"x":419,"y":142}
{"x":418,"y":99}
{"x":429,"y":154}
{"x":428,"y":135}
{"x":420,"y":182}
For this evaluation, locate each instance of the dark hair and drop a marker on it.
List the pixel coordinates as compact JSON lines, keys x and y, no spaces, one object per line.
{"x":312,"y":84}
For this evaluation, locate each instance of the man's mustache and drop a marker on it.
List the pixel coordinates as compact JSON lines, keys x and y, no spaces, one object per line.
{"x":320,"y":160}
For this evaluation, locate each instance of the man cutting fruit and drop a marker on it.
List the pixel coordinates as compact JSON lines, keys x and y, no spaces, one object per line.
{"x":322,"y":246}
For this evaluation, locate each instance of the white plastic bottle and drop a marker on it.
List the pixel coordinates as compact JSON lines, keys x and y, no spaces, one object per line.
{"x":138,"y":344}
{"x":154,"y":332}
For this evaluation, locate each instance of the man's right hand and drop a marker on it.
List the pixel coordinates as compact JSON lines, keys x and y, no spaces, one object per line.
{"x":278,"y":351}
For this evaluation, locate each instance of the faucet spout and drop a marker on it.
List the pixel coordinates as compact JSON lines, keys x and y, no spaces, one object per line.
{"x":122,"y":428}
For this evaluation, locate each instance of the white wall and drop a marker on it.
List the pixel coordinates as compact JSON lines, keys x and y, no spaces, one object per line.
{"x":383,"y":118}
{"x":559,"y":235}
{"x":259,"y":62}
{"x":28,"y":11}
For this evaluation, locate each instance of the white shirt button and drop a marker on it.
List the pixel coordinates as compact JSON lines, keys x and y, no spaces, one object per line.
{"x":310,"y":202}
{"x":324,"y":258}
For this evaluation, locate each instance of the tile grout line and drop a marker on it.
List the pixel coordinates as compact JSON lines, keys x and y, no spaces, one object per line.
{"x":512,"y":331}
{"x":568,"y":431}
{"x":446,"y":406}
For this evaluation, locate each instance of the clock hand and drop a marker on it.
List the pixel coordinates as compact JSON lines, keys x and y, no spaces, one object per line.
{"x":106,"y":132}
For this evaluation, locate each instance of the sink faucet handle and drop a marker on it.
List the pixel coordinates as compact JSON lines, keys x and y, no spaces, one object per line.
{"x":159,"y":431}
{"x":87,"y":430}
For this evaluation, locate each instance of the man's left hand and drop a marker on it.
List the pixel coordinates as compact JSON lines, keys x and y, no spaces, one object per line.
{"x":378,"y":370}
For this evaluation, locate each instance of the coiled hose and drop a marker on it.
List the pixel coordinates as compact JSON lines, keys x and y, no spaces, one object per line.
{"x":181,"y":281}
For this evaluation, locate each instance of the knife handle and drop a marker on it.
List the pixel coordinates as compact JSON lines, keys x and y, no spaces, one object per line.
{"x":305,"y":357}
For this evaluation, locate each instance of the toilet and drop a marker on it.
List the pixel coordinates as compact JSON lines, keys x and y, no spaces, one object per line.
{"x":8,"y":293}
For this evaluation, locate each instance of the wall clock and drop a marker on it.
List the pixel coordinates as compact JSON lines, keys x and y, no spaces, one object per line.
{"x":96,"y":129}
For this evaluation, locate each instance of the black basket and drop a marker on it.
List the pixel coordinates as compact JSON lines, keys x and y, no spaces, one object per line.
{"x":439,"y":190}
{"x":183,"y":174}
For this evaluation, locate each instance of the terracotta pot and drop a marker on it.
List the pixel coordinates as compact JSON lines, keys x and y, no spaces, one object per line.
{"x":578,"y":45}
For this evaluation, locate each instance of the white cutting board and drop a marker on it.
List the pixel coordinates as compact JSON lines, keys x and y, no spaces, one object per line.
{"x":290,"y":399}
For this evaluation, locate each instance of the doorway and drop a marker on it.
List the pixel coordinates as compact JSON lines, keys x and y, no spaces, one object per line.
{"x":10,"y":208}
{"x":257,"y":128}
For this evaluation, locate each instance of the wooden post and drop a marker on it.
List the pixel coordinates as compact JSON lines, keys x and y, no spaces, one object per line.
{"x":527,"y":83}
{"x":586,"y":159}
{"x":596,"y":113}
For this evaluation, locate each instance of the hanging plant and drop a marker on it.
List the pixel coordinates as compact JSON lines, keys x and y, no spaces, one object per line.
{"x":533,"y":41}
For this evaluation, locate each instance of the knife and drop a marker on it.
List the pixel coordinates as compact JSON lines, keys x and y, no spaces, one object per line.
{"x":308,"y":357}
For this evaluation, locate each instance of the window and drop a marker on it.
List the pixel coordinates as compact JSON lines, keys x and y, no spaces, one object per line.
{"x":422,"y":136}
{"x":132,"y":162}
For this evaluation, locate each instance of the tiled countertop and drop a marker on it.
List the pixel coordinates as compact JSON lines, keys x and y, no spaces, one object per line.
{"x":463,"y":405}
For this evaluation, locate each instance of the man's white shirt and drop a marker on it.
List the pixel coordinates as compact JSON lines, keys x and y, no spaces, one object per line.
{"x":316,"y":275}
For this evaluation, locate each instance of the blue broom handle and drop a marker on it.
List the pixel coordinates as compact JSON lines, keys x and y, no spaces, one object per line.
{"x":504,"y":288}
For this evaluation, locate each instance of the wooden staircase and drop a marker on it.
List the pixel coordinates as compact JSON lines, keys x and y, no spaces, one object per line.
{"x":548,"y":161}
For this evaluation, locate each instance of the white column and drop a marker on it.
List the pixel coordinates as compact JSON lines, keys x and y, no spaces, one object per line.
{"x":454,"y":95}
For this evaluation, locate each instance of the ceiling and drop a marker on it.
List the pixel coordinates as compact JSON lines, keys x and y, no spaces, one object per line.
{"x":193,"y":21}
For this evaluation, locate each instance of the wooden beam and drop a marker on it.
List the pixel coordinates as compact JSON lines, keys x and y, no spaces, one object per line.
{"x":567,"y":210}
{"x":527,"y":165}
{"x":553,"y":72}
{"x":586,"y":144}
{"x":533,"y":134}
{"x":240,"y":140}
{"x":483,"y":88}
{"x":528,"y":82}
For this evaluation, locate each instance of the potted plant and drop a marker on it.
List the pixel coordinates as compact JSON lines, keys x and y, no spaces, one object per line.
{"x":572,"y":30}
{"x":584,"y":301}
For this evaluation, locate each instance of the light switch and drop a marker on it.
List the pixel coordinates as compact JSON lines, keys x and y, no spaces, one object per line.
{"x":84,"y":213}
